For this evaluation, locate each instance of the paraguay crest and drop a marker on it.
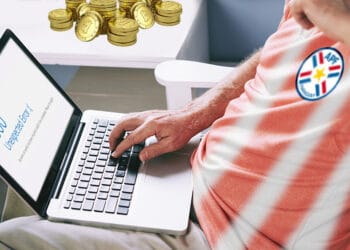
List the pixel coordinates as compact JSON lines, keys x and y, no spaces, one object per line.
{"x":319,"y":74}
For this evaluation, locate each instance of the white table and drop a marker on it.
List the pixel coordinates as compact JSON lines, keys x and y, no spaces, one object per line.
{"x":29,"y":20}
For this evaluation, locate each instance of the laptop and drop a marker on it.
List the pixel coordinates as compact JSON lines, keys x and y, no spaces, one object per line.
{"x":58,"y":160}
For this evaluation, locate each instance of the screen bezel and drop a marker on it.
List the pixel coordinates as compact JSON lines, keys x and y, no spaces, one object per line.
{"x":40,"y":205}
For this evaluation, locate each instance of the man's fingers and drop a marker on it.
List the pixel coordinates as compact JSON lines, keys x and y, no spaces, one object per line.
{"x":120,"y":128}
{"x":164,"y":125}
{"x":135,"y":137}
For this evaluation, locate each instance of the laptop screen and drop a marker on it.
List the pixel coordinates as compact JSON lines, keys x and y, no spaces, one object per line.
{"x":33,"y":118}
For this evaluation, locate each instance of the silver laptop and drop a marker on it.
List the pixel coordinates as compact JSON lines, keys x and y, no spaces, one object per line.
{"x":58,"y":160}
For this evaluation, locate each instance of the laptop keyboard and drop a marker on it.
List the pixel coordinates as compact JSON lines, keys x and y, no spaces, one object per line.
{"x":102,"y":183}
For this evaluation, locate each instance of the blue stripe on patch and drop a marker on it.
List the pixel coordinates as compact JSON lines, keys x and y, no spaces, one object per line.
{"x":306,"y":80}
{"x":333,"y":75}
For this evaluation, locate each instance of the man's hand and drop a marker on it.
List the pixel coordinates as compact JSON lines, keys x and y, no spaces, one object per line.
{"x":330,"y":16}
{"x":173,"y":129}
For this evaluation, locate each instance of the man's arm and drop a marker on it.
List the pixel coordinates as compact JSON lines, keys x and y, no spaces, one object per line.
{"x":332,"y":17}
{"x":173,"y":129}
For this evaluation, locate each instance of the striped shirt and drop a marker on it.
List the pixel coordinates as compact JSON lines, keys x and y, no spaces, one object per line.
{"x":274,"y":171}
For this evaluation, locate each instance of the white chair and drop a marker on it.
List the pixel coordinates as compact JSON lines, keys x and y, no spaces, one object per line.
{"x":180,"y":76}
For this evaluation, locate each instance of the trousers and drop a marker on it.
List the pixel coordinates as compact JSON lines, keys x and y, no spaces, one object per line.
{"x":22,"y":229}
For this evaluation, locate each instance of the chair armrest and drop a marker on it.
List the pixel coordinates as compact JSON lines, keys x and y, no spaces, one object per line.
{"x":180,"y":76}
{"x":190,"y":73}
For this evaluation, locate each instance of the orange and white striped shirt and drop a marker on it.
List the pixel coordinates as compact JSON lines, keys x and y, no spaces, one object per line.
{"x":274,"y":171}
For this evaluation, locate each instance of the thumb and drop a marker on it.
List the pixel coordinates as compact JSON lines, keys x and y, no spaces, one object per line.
{"x":155,"y":150}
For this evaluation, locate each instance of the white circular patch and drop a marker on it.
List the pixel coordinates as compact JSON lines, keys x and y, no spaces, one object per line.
{"x":319,"y":74}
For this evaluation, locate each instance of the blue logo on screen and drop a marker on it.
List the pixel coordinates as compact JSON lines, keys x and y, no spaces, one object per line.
{"x":3,"y":126}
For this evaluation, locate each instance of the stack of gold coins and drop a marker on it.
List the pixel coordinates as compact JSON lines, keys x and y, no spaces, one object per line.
{"x":61,"y":19}
{"x":106,"y":8}
{"x":95,"y":17}
{"x":168,"y":13}
{"x":73,"y":5}
{"x":122,"y":31}
{"x":89,"y":26}
{"x":142,"y":15}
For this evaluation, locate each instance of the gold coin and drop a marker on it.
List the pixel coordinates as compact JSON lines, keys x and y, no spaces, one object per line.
{"x":107,"y":12}
{"x":169,"y":24}
{"x":120,"y":13}
{"x":66,"y":26}
{"x":168,"y":15}
{"x":125,"y":6}
{"x":62,"y":25}
{"x":104,"y":9}
{"x":82,"y":9}
{"x":121,"y":39}
{"x":148,"y":2}
{"x":88,"y":27}
{"x":132,"y":9}
{"x":122,"y":25}
{"x":122,"y":44}
{"x":128,"y":1}
{"x":168,"y":7}
{"x":143,"y":16}
{"x":103,"y":2}
{"x":107,"y":15}
{"x":132,"y":33}
{"x":166,"y":19}
{"x":97,"y":14}
{"x":60,"y":15}
{"x":72,"y":5}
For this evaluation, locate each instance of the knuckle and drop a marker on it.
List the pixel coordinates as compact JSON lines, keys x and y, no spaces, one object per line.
{"x":151,"y":123}
{"x":130,"y":139}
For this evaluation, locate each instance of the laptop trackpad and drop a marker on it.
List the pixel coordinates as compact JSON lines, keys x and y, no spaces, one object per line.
{"x":165,"y":192}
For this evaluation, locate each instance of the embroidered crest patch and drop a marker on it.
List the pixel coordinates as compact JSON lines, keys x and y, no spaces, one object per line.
{"x":319,"y":74}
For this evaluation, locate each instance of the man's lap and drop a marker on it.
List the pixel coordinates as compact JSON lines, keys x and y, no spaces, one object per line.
{"x":33,"y":232}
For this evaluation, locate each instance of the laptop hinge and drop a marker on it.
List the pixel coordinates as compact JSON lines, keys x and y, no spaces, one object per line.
{"x":67,"y":159}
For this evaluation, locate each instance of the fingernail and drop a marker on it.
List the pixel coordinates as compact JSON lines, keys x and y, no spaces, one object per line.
{"x":141,"y":157}
{"x":114,"y":154}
